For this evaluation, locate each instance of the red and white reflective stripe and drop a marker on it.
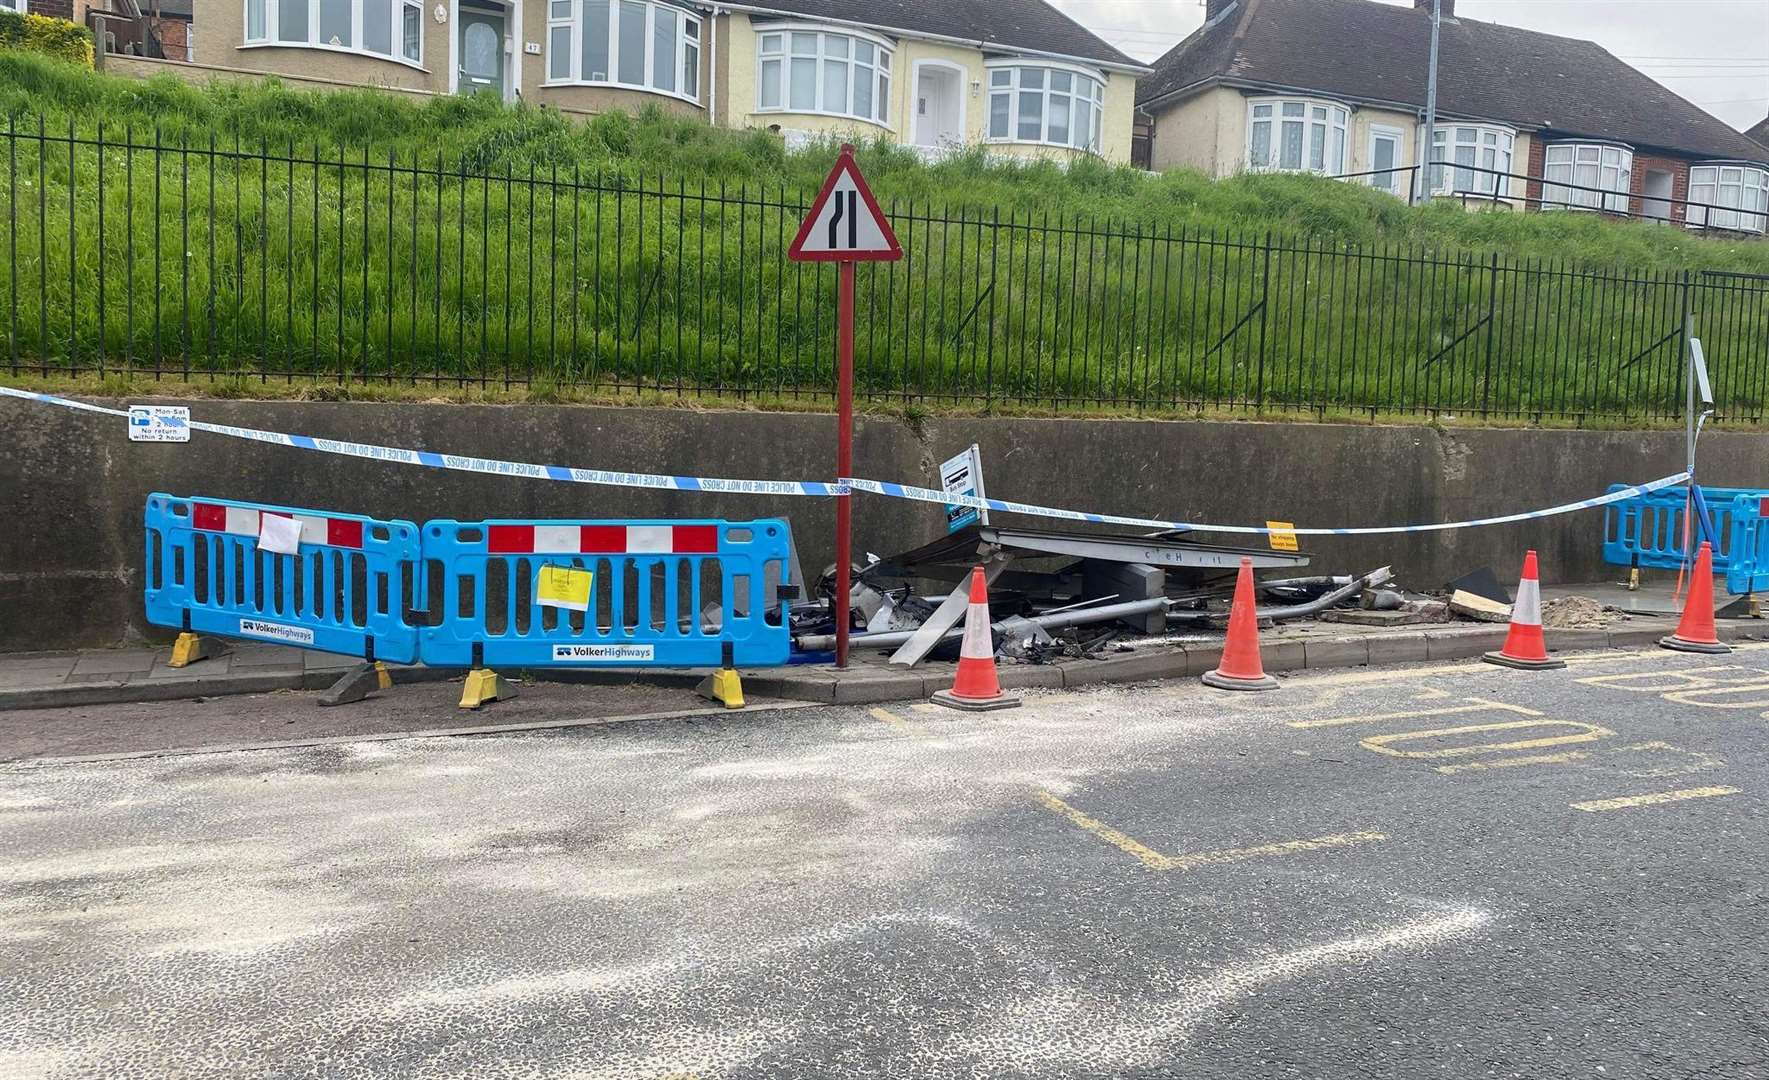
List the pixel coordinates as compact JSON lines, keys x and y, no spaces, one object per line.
{"x":245,"y":521}
{"x":1527,"y":611}
{"x":546,"y":539}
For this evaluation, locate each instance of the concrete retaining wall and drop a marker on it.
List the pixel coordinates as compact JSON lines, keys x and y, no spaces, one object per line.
{"x":73,"y":486}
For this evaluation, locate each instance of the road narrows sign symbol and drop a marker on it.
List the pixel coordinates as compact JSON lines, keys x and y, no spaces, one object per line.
{"x":845,"y":223}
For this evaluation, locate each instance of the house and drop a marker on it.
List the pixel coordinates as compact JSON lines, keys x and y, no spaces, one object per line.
{"x":1759,"y":133}
{"x":1015,"y":75}
{"x":1338,"y":87}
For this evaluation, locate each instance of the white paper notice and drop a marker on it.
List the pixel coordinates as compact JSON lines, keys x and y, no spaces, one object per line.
{"x":279,"y":534}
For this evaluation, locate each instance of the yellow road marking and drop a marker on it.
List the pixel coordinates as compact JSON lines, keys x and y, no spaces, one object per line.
{"x":1318,"y":843}
{"x":1353,"y":678}
{"x":1589,"y":732}
{"x":1697,"y":696}
{"x":1653,"y":682}
{"x":890,"y":718}
{"x":1479,"y":705}
{"x":1148,"y":856}
{"x":1597,"y":805}
{"x":1506,"y":763}
{"x":1154,"y":860}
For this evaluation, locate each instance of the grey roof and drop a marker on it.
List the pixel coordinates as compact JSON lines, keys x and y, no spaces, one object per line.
{"x":1364,"y":51}
{"x":1759,"y":132}
{"x":1008,"y":24}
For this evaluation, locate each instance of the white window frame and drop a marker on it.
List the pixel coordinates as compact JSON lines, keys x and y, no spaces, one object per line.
{"x":396,"y":42}
{"x":1613,"y":200}
{"x":1337,"y":121}
{"x":883,"y":73}
{"x":1090,"y":79}
{"x":23,"y":7}
{"x":1748,"y":207}
{"x":1452,"y":176}
{"x":1399,"y":180}
{"x":686,"y":42}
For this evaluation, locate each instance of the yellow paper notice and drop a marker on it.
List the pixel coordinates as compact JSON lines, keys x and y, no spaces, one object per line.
{"x":563,"y":587}
{"x":1282,"y":536}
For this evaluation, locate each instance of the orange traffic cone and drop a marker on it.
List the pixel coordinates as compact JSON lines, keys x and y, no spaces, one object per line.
{"x":1695,"y":631}
{"x":1241,"y":667}
{"x":1525,"y":646}
{"x":976,"y":689}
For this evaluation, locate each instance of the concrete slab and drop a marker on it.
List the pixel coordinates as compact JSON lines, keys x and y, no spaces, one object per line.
{"x":123,"y":661}
{"x":1282,"y":655}
{"x":1202,"y":656}
{"x":1336,"y":652}
{"x":1154,"y":663}
{"x":1459,"y":644}
{"x":1576,"y":640}
{"x":1396,"y":648}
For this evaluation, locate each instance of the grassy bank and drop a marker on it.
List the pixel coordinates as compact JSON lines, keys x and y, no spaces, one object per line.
{"x":251,"y":229}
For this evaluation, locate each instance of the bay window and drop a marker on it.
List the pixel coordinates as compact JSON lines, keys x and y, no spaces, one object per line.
{"x":1046,"y":104}
{"x":392,"y":29}
{"x":643,"y":44}
{"x":1605,"y":167}
{"x":1481,"y":153}
{"x":1291,"y":135}
{"x":811,"y":71}
{"x":1742,"y":189}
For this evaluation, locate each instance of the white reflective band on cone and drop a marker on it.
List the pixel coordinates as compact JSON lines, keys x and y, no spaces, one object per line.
{"x":1528,"y":609}
{"x":978,"y":644}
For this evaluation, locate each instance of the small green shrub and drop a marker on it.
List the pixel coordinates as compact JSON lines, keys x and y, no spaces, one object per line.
{"x":53,"y":37}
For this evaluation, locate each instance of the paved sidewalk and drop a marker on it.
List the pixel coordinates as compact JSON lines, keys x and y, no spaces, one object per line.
{"x":116,"y":676}
{"x":105,"y":676}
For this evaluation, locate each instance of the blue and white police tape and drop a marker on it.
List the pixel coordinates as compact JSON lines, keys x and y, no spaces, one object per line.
{"x":843,"y":486}
{"x":920,"y":494}
{"x":459,"y":463}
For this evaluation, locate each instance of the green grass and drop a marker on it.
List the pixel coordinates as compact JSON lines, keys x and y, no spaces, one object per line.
{"x":295,"y":250}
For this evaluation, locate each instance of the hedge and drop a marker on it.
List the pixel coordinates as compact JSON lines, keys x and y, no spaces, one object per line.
{"x":40,"y":33}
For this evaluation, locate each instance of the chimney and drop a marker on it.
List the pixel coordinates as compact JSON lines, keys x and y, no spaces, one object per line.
{"x":1214,"y":9}
{"x":1449,"y":7}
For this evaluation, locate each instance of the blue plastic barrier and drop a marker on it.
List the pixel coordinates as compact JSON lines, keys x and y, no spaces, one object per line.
{"x":660,"y":593}
{"x":340,"y":592}
{"x":1747,"y":569}
{"x":1648,"y":531}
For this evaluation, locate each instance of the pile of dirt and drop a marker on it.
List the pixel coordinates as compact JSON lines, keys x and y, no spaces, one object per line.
{"x":1577,"y":613}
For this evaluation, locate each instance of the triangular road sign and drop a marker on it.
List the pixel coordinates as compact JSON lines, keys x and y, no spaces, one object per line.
{"x":845,"y":222}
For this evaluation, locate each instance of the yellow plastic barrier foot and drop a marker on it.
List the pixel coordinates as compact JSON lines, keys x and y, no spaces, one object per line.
{"x":189,"y":648}
{"x":483,"y":685}
{"x":723,"y":686}
{"x":358,"y":683}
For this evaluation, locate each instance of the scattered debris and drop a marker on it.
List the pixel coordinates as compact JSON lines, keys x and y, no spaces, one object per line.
{"x":1479,"y":608}
{"x":1578,"y":613}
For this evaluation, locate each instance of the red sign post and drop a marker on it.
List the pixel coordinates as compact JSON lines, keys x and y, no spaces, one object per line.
{"x":844,"y":226}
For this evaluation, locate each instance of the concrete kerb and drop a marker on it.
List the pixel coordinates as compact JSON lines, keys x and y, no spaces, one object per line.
{"x":869,"y":682}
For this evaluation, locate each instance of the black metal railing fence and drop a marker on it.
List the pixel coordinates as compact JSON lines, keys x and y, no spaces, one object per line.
{"x":128,"y":252}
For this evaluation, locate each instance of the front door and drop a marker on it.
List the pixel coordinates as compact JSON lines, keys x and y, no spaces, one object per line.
{"x":1384,"y":167}
{"x":481,"y":46}
{"x":937,"y":103}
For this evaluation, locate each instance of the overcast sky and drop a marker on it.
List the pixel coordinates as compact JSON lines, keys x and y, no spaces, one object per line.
{"x":1713,"y":52}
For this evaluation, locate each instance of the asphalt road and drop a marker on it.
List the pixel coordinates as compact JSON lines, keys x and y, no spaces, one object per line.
{"x":1458,"y":871}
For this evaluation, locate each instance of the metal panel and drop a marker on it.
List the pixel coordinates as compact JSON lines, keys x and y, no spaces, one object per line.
{"x":341,"y":591}
{"x":649,"y":604}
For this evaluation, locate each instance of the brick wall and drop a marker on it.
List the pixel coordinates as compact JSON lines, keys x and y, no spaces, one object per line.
{"x":174,"y":35}
{"x":1538,"y":159}
{"x":1679,"y":170}
{"x":60,"y":9}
